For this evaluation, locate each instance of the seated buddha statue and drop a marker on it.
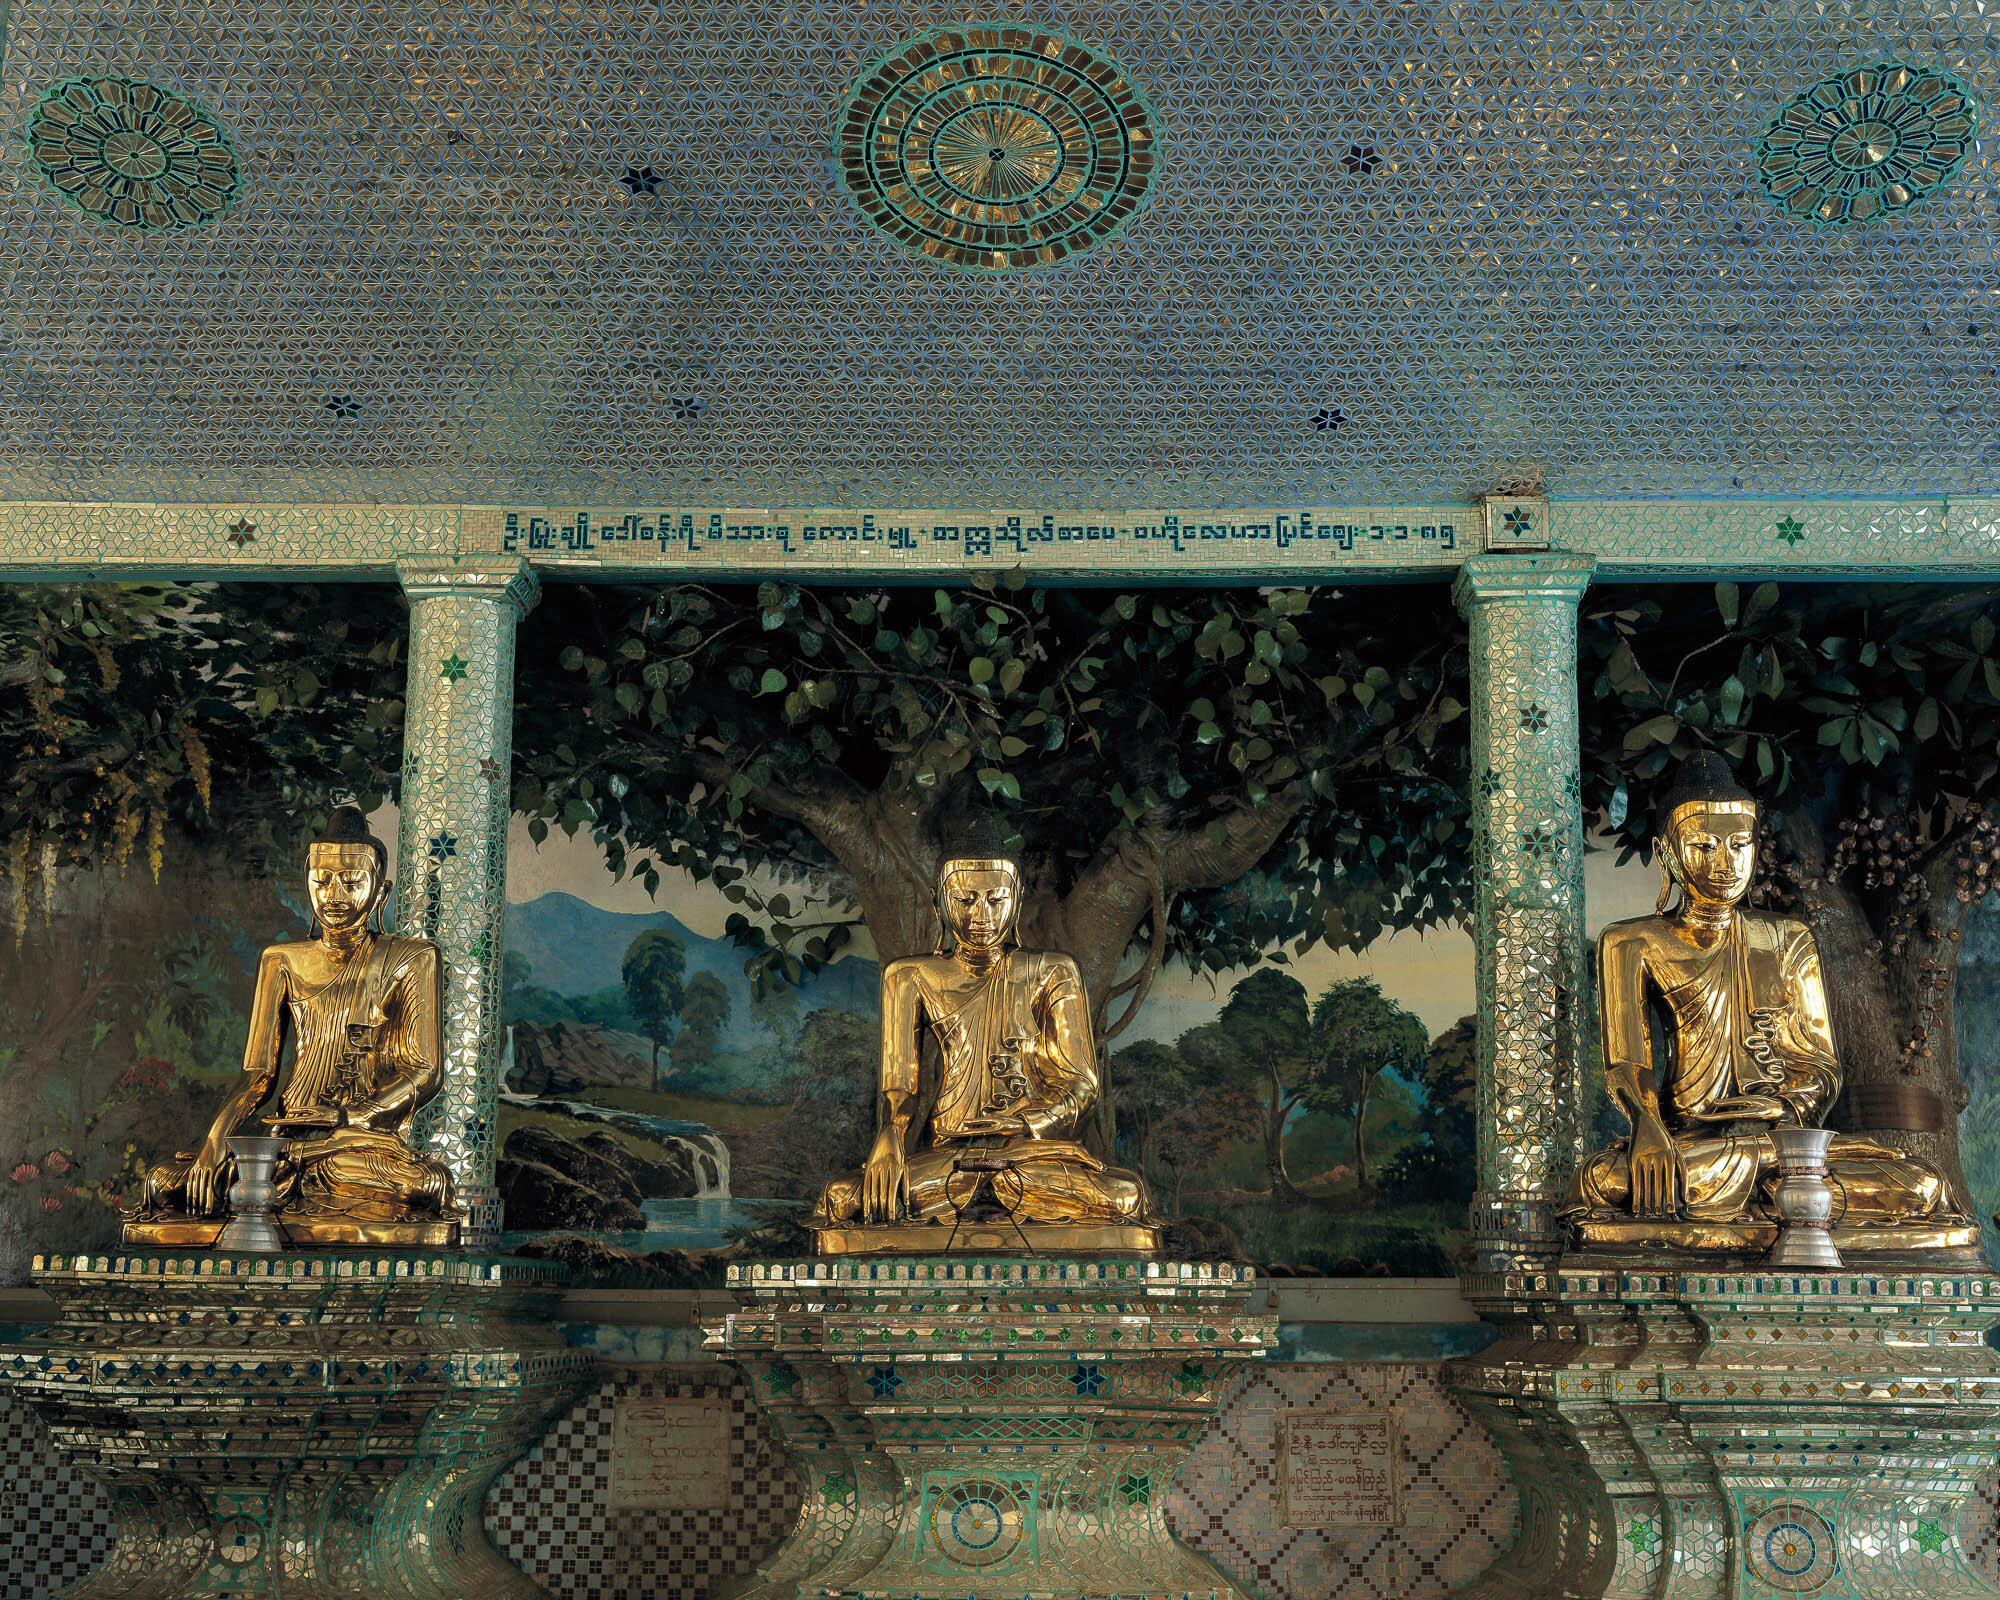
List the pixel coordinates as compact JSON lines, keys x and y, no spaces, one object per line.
{"x":1715,"y":1030}
{"x":989,"y":1068}
{"x":363,"y":1013}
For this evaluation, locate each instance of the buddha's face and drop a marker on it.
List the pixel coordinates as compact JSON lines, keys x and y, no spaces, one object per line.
{"x":1715,"y":850}
{"x":343,"y":882}
{"x":980,"y":905}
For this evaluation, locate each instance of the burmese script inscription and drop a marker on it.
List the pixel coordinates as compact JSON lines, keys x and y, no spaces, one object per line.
{"x":670,"y":1451}
{"x":1338,"y":1469}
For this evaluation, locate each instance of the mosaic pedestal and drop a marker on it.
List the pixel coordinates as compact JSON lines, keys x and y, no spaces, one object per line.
{"x":981,"y":1427}
{"x":1737,"y":1435}
{"x":319,"y":1427}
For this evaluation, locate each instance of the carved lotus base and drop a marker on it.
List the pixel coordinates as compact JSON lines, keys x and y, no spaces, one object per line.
{"x":293,"y":1427}
{"x":1706,"y":1433}
{"x":972,"y":1430}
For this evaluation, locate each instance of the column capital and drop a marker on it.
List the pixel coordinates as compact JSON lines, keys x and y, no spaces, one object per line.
{"x":506,"y":579}
{"x":1547,"y":574}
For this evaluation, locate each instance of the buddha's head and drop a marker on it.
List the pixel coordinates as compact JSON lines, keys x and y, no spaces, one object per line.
{"x":347,"y":872}
{"x":979,"y":893}
{"x":1708,"y":832}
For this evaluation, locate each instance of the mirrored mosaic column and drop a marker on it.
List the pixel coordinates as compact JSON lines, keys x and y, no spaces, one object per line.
{"x":452,"y":856}
{"x":1528,"y":916}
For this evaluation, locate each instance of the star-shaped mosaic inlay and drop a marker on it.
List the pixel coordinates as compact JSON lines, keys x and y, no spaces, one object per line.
{"x":475,"y":1128}
{"x":1135,"y":1488}
{"x":242,"y":531}
{"x":1790,"y":529}
{"x":452,"y":667}
{"x":1327,"y":418}
{"x":1518,"y":521}
{"x":1491,"y":783}
{"x":1642,"y":1536}
{"x":443,"y":846}
{"x":641,"y":180}
{"x":482,"y":948}
{"x":489,"y":769}
{"x":1929,"y":1534}
{"x":883,"y":1382}
{"x":1542,"y":841}
{"x":1534,"y":718}
{"x":1191,"y":1376}
{"x":1088,"y":1378}
{"x":782,"y":1377}
{"x":835,"y":1489}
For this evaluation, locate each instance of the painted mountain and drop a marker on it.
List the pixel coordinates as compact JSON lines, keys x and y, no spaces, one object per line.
{"x":576,"y":951}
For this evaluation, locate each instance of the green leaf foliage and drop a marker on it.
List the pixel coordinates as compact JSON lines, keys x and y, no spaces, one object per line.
{"x":1168,"y":725}
{"x":134,"y":714}
{"x":1825,"y":698}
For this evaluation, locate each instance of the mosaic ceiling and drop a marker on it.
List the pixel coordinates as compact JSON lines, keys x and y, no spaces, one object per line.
{"x":1263,"y":253}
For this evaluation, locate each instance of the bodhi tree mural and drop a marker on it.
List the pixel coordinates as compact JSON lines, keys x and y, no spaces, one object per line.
{"x":1867,"y":721}
{"x":1191,"y":774}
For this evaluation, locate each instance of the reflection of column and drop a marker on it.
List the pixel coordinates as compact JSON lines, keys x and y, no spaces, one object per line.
{"x":1528,"y":917}
{"x":452,"y":856}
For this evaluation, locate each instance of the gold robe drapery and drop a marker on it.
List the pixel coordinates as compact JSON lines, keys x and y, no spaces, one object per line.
{"x":1749,"y":1044}
{"x":1014,"y":1040}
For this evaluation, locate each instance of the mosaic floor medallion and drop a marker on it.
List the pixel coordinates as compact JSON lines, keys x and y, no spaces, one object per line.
{"x":1867,"y":144}
{"x":992,"y":147}
{"x":132,"y":154}
{"x":1792,"y":1549}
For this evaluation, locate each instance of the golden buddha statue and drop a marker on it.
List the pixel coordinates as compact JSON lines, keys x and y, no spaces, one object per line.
{"x":1747,"y":1046}
{"x":988,"y":1069}
{"x":364,"y":1012}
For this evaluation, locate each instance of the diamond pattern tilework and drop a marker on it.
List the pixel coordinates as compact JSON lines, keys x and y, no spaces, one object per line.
{"x":1459,"y":1510}
{"x":550,"y":1513}
{"x":54,"y":1526}
{"x":1979,"y":1528}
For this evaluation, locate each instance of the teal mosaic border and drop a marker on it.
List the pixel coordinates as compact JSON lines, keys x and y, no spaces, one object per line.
{"x":1646,"y":539}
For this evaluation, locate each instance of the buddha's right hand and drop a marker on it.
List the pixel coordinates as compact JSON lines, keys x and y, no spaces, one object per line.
{"x":1657,"y":1174}
{"x":885,"y":1179}
{"x":204,"y":1181}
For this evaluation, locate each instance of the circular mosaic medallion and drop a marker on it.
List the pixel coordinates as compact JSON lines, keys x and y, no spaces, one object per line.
{"x":132,"y":154}
{"x":979,"y":1523}
{"x":1867,"y":144}
{"x":992,"y":146}
{"x":1792,"y":1549}
{"x":238,"y":1542}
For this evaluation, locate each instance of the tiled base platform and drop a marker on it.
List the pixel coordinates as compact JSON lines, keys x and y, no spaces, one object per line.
{"x":551,"y":1513}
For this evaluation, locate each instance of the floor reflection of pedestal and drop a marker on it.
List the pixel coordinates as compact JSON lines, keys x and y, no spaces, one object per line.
{"x":982,"y":1427}
{"x":292,"y":1426}
{"x":1740,"y":1432}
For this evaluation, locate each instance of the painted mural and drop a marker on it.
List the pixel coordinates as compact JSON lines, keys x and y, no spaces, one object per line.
{"x":1312,"y":1113}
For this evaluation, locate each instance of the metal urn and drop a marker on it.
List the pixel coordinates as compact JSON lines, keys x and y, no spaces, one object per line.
{"x":252,"y":1196}
{"x":1804,"y":1200}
